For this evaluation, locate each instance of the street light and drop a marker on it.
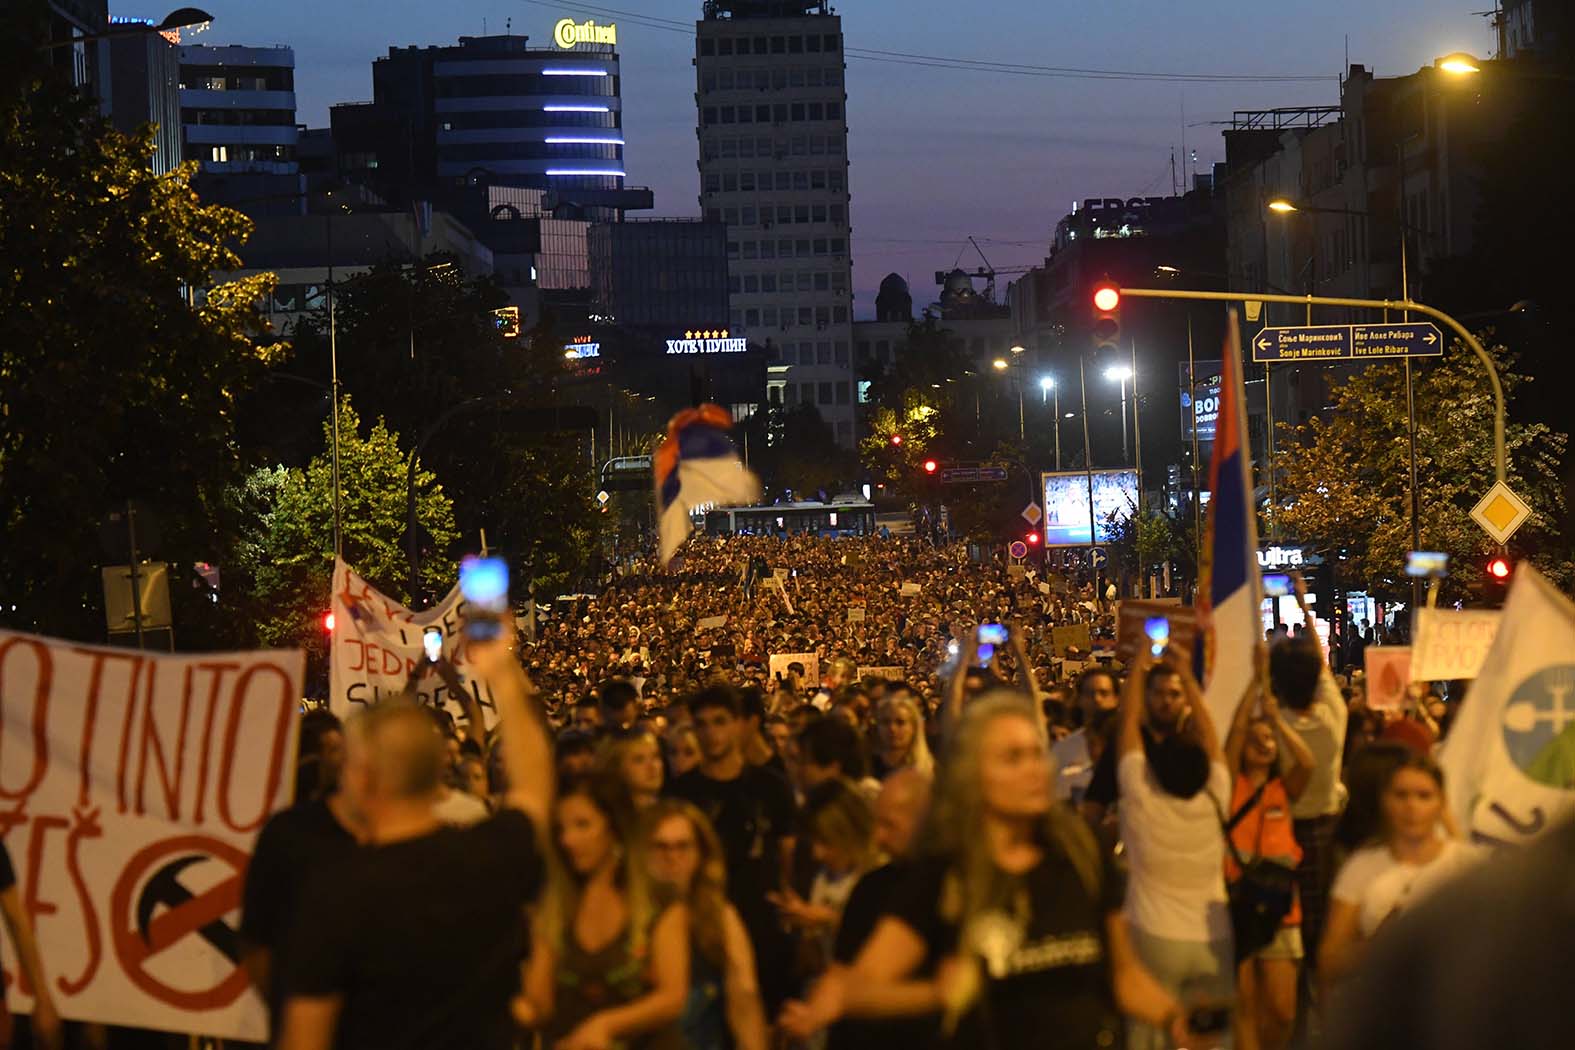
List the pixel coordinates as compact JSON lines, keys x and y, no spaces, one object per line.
{"x":180,"y":18}
{"x":1282,"y":206}
{"x":1019,"y":349}
{"x":999,"y":364}
{"x":1046,"y":386}
{"x":1120,"y":374}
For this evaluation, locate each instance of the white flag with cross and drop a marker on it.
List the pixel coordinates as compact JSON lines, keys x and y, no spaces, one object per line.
{"x":1509,"y":759}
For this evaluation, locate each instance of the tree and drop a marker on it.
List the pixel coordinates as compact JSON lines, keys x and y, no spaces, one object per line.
{"x":808,"y":459}
{"x":114,"y":383}
{"x":416,"y":341}
{"x":1344,"y":480}
{"x":284,"y":558}
{"x":1141,"y":542}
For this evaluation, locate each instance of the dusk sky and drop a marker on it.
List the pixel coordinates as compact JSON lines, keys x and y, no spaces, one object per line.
{"x":936,"y":154}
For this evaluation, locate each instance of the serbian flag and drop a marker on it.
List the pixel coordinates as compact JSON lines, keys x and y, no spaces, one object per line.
{"x":1230,"y":592}
{"x":697,"y":465}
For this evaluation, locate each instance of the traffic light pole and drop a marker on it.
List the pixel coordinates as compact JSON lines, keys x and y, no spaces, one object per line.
{"x":1500,"y":457}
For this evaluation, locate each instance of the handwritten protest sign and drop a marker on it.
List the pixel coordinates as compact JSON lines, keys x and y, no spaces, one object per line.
{"x":135,"y":784}
{"x":811,"y":677}
{"x":1452,"y":643}
{"x":855,"y":614}
{"x":908,"y":590}
{"x":376,"y":647}
{"x":710,"y":623}
{"x":1388,"y":674}
{"x":890,"y":674}
{"x":1070,"y":636}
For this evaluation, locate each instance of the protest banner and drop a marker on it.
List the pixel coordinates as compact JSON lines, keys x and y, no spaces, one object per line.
{"x":1070,"y":636}
{"x":908,"y":590}
{"x":1388,"y":672}
{"x":710,"y":623}
{"x":1451,"y":643}
{"x":1509,"y":759}
{"x":1132,"y":615}
{"x":778,"y":667}
{"x":855,"y":614}
{"x":376,"y":646}
{"x":890,"y":674}
{"x":134,"y":786}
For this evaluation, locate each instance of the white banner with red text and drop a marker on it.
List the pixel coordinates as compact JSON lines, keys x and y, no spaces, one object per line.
{"x":132,"y":786}
{"x":375,"y":650}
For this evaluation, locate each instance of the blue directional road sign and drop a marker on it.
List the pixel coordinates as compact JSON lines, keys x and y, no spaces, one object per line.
{"x":1347,"y":342}
{"x":1098,"y":557}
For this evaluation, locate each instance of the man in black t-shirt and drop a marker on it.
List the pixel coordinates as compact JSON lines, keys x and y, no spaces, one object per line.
{"x":415,"y":940}
{"x":294,"y":844}
{"x":751,"y":809}
{"x":904,"y":798}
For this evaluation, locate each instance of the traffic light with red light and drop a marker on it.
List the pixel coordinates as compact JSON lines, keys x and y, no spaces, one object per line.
{"x":1107,"y":315}
{"x":328,"y":622}
{"x":1499,"y":569}
{"x":896,"y":439}
{"x":1032,"y":539}
{"x":930,"y":466}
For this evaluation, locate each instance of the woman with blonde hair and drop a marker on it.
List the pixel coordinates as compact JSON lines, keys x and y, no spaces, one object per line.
{"x":1416,"y":850}
{"x":840,"y":824}
{"x":631,"y":759}
{"x":899,"y":738}
{"x":685,"y":858}
{"x":1014,"y":898}
{"x":608,"y":963}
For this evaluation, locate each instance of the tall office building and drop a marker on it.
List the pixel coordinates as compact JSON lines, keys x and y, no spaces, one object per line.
{"x":238,"y":108}
{"x":774,"y":168}
{"x":145,"y":89}
{"x":493,"y":110}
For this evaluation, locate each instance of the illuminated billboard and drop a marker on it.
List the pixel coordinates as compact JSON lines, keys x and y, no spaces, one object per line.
{"x":1066,"y":504}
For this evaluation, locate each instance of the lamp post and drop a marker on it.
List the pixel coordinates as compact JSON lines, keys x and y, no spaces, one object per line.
{"x":178,"y":19}
{"x":1283,"y":206}
{"x":1088,"y":463}
{"x":1001,"y":365}
{"x":1121,"y":373}
{"x":1047,"y":385}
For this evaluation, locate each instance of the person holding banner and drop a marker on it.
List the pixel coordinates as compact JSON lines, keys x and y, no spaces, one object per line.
{"x":45,"y":1022}
{"x":414,"y":941}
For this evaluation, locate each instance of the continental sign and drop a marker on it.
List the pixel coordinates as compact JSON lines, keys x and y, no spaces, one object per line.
{"x":568,"y":33}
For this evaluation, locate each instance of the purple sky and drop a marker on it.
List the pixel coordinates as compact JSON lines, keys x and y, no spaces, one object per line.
{"x":937,"y":154}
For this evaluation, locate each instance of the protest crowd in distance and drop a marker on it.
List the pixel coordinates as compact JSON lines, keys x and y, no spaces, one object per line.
{"x":783,"y":792}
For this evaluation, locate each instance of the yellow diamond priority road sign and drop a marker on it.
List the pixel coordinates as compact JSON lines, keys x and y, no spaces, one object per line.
{"x":1032,"y":514}
{"x":1500,"y":513}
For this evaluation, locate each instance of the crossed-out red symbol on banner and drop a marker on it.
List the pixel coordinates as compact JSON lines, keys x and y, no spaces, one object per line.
{"x":152,"y":911}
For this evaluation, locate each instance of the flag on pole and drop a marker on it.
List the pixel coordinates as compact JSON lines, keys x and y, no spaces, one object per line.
{"x":1230,"y":593}
{"x":1509,"y":759}
{"x":697,"y":465}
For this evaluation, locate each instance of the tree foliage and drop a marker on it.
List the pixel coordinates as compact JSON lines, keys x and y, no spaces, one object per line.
{"x":283,"y":561}
{"x":1344,"y":480}
{"x":113,"y":382}
{"x":415,"y":342}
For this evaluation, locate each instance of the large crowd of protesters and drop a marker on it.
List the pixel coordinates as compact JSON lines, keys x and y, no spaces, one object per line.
{"x":905,"y":836}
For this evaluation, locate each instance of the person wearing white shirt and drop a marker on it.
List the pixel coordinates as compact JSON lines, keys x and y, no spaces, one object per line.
{"x":1076,"y":753}
{"x":1413,"y":856}
{"x":1176,"y":902}
{"x":1316,"y":712}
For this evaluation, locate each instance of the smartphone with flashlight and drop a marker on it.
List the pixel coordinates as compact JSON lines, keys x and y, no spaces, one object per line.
{"x":992,"y":633}
{"x":432,"y":644}
{"x":484,"y":582}
{"x":1157,"y":628}
{"x":1276,"y":585}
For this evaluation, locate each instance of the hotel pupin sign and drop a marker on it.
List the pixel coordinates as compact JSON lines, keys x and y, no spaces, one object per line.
{"x":568,"y":33}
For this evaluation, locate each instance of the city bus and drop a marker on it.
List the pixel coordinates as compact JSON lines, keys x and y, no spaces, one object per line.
{"x":852,"y":517}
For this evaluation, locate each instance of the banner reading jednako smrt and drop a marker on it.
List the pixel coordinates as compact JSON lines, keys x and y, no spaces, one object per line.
{"x":375,"y":649}
{"x":132,"y":786}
